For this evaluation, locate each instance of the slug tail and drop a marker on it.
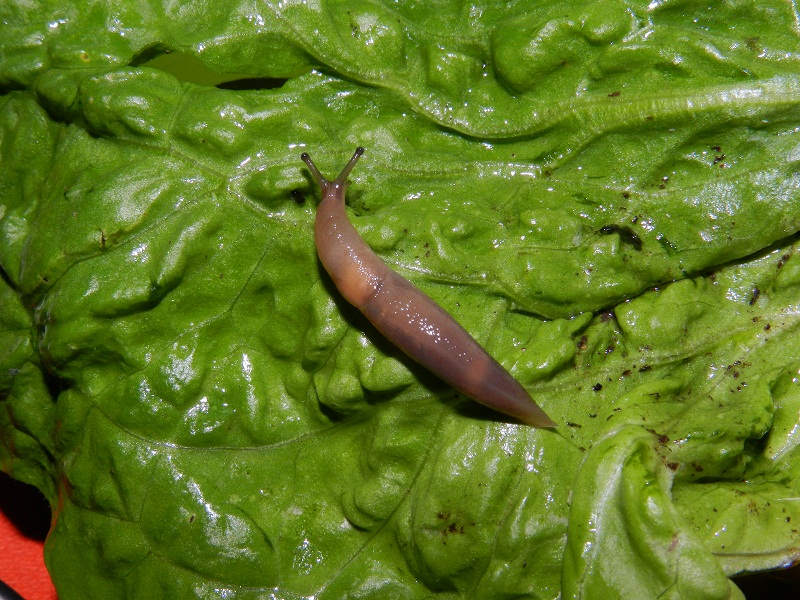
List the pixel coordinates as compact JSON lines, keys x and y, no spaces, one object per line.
{"x":536,"y":417}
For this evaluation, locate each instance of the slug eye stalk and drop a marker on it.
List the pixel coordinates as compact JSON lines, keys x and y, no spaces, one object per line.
{"x":341,"y":179}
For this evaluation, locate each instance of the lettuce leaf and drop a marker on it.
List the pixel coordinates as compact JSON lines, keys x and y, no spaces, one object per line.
{"x":606,"y":196}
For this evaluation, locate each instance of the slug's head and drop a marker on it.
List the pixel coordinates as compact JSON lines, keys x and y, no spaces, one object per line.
{"x":340,"y":182}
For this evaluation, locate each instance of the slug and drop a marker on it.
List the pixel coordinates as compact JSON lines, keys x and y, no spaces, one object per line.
{"x":405,"y":315}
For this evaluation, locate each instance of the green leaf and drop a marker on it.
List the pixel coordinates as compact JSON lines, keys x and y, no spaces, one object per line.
{"x":621,"y":508}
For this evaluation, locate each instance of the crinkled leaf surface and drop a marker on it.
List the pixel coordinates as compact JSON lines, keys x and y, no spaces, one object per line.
{"x":605,"y":195}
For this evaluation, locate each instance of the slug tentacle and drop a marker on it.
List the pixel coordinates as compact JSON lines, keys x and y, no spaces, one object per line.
{"x":403,"y":313}
{"x":341,"y":180}
{"x":318,"y":177}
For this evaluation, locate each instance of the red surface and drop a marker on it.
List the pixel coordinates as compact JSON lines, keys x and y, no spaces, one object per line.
{"x":21,"y":558}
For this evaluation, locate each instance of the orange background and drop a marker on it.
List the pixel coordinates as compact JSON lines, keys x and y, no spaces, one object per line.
{"x":24,"y":519}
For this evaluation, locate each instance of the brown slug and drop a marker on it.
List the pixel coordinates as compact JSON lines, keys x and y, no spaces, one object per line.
{"x":407,"y":316}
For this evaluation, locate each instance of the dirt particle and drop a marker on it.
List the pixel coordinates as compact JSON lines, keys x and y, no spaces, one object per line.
{"x":625,"y":233}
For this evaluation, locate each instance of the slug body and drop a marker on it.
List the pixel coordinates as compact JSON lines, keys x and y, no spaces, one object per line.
{"x":407,"y":316}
